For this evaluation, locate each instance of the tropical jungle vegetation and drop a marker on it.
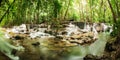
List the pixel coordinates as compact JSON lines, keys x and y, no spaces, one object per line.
{"x":56,"y":12}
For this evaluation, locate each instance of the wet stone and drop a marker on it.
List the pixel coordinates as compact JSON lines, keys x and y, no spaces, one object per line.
{"x":36,"y":44}
{"x":17,"y":37}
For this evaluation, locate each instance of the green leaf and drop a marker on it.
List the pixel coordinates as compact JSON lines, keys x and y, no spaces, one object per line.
{"x":11,"y":1}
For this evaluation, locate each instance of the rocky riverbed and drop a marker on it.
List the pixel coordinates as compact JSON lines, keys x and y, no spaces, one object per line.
{"x":41,"y":42}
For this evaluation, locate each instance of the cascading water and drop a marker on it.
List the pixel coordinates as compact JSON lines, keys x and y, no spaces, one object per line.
{"x":49,"y":49}
{"x":72,"y":29}
{"x":80,"y":51}
{"x":6,"y":47}
{"x":96,"y":48}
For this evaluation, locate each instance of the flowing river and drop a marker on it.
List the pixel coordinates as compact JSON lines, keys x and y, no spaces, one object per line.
{"x":49,"y":48}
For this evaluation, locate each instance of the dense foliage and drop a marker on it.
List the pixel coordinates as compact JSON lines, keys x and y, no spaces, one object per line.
{"x":15,"y":12}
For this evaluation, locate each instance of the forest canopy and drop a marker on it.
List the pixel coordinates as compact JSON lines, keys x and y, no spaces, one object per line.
{"x":16,"y":12}
{"x":37,"y":11}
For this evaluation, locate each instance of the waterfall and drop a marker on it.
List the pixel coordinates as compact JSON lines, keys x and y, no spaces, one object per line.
{"x":6,"y":47}
{"x":72,"y":29}
{"x":96,"y":48}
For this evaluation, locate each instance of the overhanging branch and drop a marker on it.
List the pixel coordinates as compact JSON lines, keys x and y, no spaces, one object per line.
{"x":6,"y":12}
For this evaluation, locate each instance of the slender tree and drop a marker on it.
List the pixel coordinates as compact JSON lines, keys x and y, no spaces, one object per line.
{"x":6,"y":11}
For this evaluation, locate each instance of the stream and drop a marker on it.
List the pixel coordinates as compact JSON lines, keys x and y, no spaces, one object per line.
{"x":49,"y":51}
{"x":75,"y":45}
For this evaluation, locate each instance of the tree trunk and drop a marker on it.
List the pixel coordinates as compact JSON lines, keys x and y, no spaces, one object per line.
{"x":67,"y":9}
{"x":6,"y":12}
{"x":113,"y":13}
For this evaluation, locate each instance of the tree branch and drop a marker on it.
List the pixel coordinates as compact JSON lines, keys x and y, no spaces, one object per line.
{"x":113,"y":13}
{"x":67,"y":9}
{"x":6,"y":12}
